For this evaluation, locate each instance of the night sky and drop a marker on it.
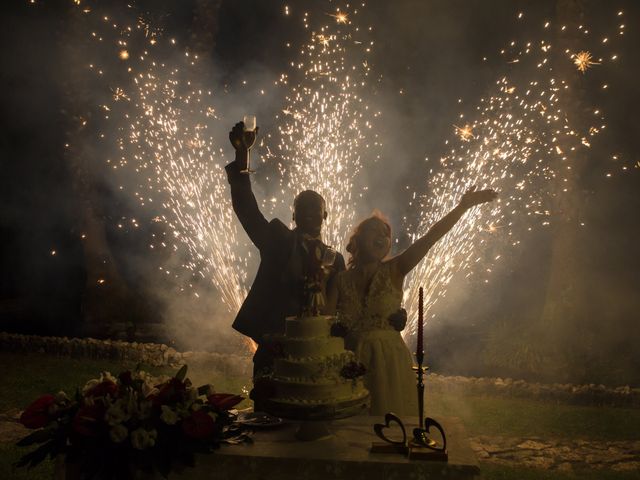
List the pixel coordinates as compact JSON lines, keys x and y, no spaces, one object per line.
{"x":427,"y":55}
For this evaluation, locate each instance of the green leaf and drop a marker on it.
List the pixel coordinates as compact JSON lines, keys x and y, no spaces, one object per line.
{"x":38,"y":436}
{"x":32,"y":459}
{"x":182,"y":373}
{"x":204,"y":389}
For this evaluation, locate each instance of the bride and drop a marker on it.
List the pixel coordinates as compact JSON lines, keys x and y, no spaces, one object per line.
{"x":367,"y":298}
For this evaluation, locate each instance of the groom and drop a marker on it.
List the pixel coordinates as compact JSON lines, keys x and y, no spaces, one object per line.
{"x":278,"y":289}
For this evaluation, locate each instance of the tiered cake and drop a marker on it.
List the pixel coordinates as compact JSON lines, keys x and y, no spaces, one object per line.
{"x":308,"y":381}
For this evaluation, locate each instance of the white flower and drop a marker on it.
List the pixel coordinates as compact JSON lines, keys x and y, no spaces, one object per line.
{"x":89,"y":385}
{"x":107,"y":377}
{"x":118,"y":433}
{"x":148,"y":388}
{"x":141,"y":438}
{"x":168,"y":416}
{"x":117,"y":413}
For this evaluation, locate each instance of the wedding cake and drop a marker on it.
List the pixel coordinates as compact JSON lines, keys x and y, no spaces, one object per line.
{"x":314,"y":377}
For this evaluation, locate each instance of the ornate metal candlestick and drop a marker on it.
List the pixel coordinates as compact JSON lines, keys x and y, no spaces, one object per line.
{"x":420,"y":370}
{"x":421,"y":447}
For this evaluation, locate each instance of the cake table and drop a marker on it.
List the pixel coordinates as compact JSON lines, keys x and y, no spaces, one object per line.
{"x":277,"y":455}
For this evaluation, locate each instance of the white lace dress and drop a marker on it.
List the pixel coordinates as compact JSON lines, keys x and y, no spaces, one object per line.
{"x":380,"y":347}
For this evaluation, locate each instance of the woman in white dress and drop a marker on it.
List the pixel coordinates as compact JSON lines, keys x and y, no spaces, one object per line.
{"x":367,"y":298}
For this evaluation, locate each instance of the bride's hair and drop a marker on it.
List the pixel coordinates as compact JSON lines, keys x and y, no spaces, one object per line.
{"x":353,"y":246}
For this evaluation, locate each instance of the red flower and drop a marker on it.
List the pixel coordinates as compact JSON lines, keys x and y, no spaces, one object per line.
{"x":89,"y":420}
{"x":224,"y":401}
{"x":103,"y":389}
{"x":199,"y":425}
{"x":36,"y":415}
{"x":172,"y":391}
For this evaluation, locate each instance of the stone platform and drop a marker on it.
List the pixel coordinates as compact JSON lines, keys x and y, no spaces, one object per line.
{"x":277,"y":455}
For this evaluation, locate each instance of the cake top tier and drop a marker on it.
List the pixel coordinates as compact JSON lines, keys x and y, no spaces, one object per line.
{"x":308,"y":327}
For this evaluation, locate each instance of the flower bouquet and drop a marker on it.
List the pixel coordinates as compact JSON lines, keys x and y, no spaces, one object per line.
{"x":116,"y":425}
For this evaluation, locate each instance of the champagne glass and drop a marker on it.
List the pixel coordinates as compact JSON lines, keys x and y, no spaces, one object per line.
{"x":249,"y":126}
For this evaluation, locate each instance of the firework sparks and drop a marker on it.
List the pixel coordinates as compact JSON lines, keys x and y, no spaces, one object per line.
{"x":340,"y":17}
{"x":521,"y":143}
{"x":465,"y":133}
{"x":583,"y":61}
{"x":164,"y":143}
{"x":325,"y":128}
{"x":323,"y":40}
{"x":516,"y":144}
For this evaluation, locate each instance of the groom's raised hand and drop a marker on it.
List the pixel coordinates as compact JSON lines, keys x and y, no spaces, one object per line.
{"x":242,"y":139}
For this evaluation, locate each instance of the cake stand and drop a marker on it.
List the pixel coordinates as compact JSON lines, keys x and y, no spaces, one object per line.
{"x":315,"y":418}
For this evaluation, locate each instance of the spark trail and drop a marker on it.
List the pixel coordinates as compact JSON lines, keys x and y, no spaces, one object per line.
{"x":325,"y":132}
{"x":159,"y":120}
{"x":522,"y":142}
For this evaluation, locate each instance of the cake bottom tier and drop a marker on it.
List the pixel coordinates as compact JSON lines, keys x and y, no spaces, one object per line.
{"x":308,"y":391}
{"x":293,"y":410}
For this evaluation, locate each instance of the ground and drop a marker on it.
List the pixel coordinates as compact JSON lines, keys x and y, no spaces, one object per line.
{"x":513,"y":438}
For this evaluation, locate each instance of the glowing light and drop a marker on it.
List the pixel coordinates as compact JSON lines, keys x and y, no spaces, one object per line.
{"x":465,"y":133}
{"x":325,"y":129}
{"x":161,"y":119}
{"x":340,"y":17}
{"x":583,"y":61}
{"x":521,"y":141}
{"x":323,"y":40}
{"x":124,"y":55}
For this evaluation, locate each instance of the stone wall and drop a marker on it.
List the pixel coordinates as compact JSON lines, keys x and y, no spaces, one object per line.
{"x":155,"y":354}
{"x":591,"y":394}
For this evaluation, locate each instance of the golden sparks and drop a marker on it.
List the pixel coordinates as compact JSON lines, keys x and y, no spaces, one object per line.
{"x":465,"y":133}
{"x":118,"y":94}
{"x":340,"y":17}
{"x":323,"y":40}
{"x":583,"y":61}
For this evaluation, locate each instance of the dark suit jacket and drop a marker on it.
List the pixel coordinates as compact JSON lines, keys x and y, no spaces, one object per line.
{"x":269,"y":300}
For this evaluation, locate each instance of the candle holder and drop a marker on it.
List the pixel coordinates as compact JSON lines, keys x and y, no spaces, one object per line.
{"x":421,"y":446}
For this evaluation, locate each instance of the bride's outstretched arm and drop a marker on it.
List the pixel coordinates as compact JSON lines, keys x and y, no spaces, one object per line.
{"x":407,"y":260}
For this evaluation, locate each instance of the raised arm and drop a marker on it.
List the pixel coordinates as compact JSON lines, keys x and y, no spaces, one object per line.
{"x":244,"y":201}
{"x":407,"y":260}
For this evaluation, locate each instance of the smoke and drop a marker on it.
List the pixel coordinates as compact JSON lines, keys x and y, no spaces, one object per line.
{"x":427,"y":67}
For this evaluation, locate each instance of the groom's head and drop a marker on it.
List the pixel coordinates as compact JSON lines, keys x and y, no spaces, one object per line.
{"x":309,"y":211}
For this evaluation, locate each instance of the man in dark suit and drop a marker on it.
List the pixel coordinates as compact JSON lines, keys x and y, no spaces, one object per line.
{"x":278,"y":289}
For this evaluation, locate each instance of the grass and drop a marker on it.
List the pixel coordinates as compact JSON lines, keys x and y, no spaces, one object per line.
{"x":9,"y":454}
{"x":25,"y":377}
{"x":484,"y":415}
